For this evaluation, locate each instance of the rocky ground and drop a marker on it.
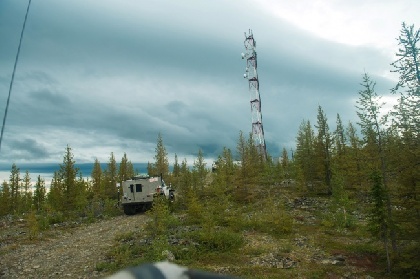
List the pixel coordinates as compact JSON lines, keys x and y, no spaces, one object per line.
{"x":72,"y":250}
{"x":65,"y":251}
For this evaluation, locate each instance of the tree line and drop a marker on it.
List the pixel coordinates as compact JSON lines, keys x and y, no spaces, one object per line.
{"x":382,"y":159}
{"x":69,"y":191}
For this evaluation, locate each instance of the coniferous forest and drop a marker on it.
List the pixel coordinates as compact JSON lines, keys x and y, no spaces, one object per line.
{"x":359,"y":181}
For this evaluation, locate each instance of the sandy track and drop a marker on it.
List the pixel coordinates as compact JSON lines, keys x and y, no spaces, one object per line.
{"x":72,"y":253}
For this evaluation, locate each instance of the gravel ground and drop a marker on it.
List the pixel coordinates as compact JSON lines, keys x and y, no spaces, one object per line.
{"x":62,"y":252}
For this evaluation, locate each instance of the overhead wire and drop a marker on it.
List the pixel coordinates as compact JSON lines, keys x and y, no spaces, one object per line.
{"x":13,"y":74}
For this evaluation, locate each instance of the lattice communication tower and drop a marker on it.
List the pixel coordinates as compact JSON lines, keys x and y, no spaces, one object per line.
{"x":254,"y":89}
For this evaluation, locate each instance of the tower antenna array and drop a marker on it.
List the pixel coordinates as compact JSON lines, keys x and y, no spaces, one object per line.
{"x":254,"y":89}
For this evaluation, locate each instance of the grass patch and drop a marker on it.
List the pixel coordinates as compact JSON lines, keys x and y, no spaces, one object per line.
{"x":220,"y":235}
{"x":372,"y":248}
{"x":125,"y":237}
{"x":217,"y":239}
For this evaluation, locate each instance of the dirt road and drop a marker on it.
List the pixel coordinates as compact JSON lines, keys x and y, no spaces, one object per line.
{"x":65,"y":253}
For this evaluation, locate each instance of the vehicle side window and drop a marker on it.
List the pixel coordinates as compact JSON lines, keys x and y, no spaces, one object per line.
{"x":138,"y":187}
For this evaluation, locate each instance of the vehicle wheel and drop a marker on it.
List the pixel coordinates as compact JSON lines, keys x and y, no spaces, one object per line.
{"x":129,"y":210}
{"x":147,"y":206}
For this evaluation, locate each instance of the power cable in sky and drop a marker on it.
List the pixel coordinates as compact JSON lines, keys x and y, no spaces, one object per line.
{"x":13,"y":74}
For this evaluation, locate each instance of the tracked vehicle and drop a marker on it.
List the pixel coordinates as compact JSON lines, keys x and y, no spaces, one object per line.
{"x":138,"y":193}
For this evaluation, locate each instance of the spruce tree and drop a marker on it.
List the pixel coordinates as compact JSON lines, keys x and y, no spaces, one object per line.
{"x":323,"y":149}
{"x":27,"y":192}
{"x":251,"y":169}
{"x":406,"y":143}
{"x":174,"y":178}
{"x":242,"y":180}
{"x":150,"y":169}
{"x":255,"y":159}
{"x":285,"y":165}
{"x":340,"y":149}
{"x":82,"y":193}
{"x":5,"y":199}
{"x":353,"y":164}
{"x":176,"y":169}
{"x":68,"y":173}
{"x":408,"y":63}
{"x":199,"y":171}
{"x":126,"y":170}
{"x":111,"y":178}
{"x":379,"y":221}
{"x":97,"y":181}
{"x":372,"y":125}
{"x":185,"y":181}
{"x":14,"y":182}
{"x":56,"y":195}
{"x":161,"y":165}
{"x":339,"y":137}
{"x":340,"y":202}
{"x":227,"y":170}
{"x":305,"y":154}
{"x":39,"y":194}
{"x":407,"y":66}
{"x":224,"y":175}
{"x":373,"y":128}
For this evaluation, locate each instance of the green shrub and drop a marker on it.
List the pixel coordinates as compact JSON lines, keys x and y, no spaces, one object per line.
{"x":367,"y":247}
{"x":32,"y":225}
{"x":111,"y":208}
{"x":276,"y":225}
{"x":185,"y":254}
{"x":195,"y":208}
{"x":217,"y":239}
{"x":338,"y":218}
{"x":406,"y":265}
{"x":55,"y":217}
{"x":43,"y":222}
{"x":272,"y":218}
{"x":161,"y":219}
{"x":154,"y":253}
{"x":125,"y":237}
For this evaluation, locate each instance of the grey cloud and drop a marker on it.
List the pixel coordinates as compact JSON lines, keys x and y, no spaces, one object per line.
{"x":46,"y":97}
{"x":28,"y":148}
{"x":39,"y":108}
{"x":176,"y":107}
{"x":39,"y":77}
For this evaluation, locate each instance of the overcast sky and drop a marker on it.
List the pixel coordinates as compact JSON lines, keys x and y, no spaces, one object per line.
{"x":108,"y":75}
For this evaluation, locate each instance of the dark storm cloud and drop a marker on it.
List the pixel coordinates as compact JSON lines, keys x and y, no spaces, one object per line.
{"x":69,"y":33}
{"x":40,"y":108}
{"x":38,"y":77}
{"x":176,"y":107}
{"x":28,"y":148}
{"x":48,"y":98}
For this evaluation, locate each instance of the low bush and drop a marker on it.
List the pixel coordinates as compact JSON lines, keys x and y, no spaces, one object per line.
{"x":217,"y":239}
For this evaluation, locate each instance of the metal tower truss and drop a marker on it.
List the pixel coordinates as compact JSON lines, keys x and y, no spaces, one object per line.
{"x":254,"y":89}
